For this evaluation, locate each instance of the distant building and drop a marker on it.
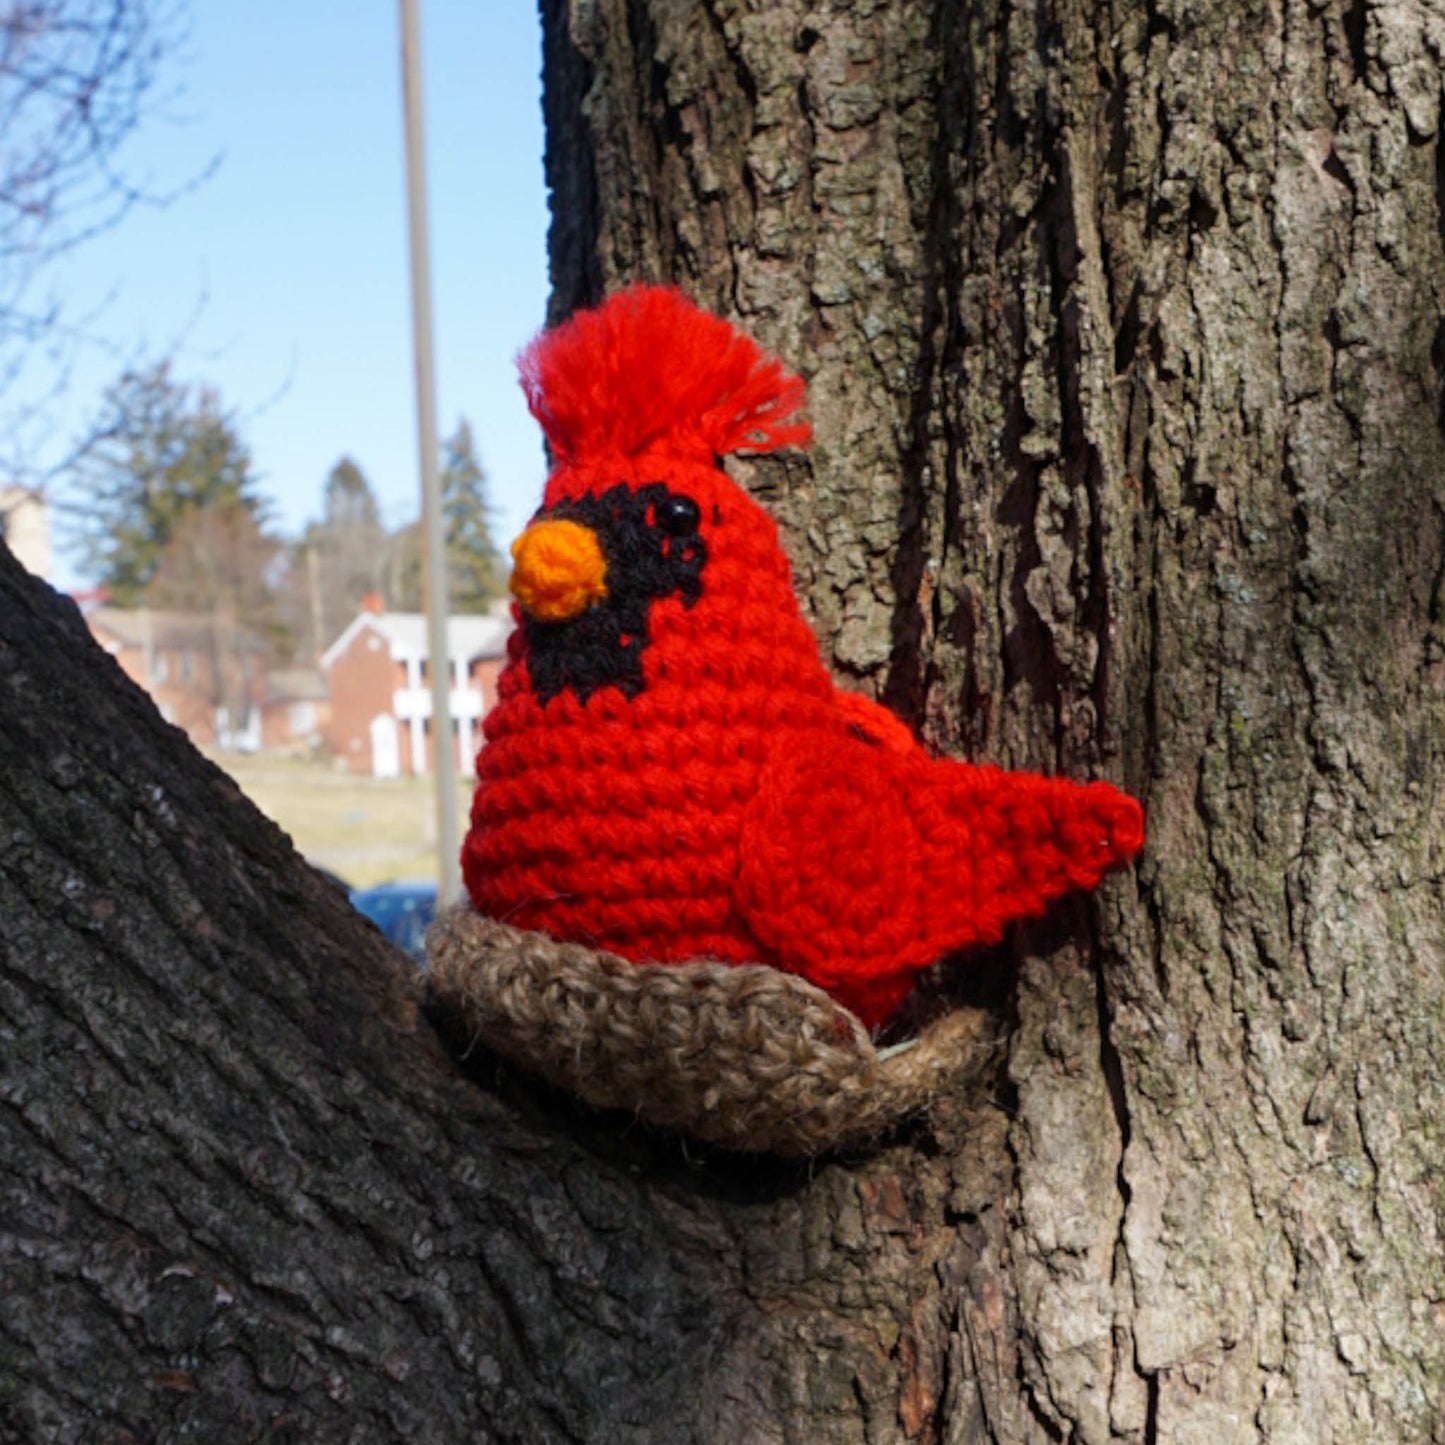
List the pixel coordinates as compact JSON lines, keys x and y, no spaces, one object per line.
{"x":25,"y":528}
{"x":379,"y":684}
{"x":297,"y":710}
{"x":190,"y":670}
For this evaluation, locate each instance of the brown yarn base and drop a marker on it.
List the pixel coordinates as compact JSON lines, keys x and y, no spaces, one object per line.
{"x":743,"y":1056}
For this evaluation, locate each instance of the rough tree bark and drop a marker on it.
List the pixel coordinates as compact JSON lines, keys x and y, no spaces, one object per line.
{"x":1123,"y":333}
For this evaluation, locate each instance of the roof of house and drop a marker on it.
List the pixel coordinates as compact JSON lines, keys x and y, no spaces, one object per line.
{"x":151,"y":627}
{"x":468,"y":636}
{"x":295,"y":684}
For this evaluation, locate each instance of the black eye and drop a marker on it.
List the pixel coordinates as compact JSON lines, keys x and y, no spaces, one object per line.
{"x":678,"y":516}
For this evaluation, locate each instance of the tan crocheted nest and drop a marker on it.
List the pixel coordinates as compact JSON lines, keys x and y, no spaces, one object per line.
{"x":743,"y":1056}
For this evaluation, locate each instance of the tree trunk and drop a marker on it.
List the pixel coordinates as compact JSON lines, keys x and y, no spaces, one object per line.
{"x":1121,"y":335}
{"x":1122,"y":332}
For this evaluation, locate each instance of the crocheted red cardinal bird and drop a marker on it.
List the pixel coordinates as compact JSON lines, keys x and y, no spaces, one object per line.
{"x":669,"y":772}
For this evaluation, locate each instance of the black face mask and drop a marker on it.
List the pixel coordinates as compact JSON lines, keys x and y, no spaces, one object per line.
{"x":649,"y":538}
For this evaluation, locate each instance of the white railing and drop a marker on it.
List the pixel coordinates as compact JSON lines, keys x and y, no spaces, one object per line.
{"x":410,"y":702}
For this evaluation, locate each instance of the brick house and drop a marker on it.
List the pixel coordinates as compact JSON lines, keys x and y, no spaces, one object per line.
{"x":378,"y":682}
{"x":188,"y":663}
{"x":296,"y":711}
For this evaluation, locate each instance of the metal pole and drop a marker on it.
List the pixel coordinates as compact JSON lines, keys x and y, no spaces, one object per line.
{"x":435,"y":570}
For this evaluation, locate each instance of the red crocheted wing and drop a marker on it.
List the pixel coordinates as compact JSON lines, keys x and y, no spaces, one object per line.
{"x":648,"y":370}
{"x":831,"y":876}
{"x":862,"y":862}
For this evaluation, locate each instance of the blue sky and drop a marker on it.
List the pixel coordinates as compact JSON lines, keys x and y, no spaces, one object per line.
{"x":282,"y":279}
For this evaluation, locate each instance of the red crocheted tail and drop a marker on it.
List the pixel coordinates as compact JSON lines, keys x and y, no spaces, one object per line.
{"x":648,"y":369}
{"x":1035,"y":839}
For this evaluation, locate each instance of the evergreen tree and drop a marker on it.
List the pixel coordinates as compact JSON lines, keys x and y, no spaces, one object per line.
{"x":159,"y":451}
{"x":350,"y":503}
{"x":476,"y":572}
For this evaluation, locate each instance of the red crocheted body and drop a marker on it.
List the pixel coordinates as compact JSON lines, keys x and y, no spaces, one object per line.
{"x":737,"y":807}
{"x":617,"y":820}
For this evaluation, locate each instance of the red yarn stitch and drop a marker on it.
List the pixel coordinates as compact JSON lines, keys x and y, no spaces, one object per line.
{"x":737,"y":806}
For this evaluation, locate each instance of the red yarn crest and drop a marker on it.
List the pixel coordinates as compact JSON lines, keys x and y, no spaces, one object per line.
{"x":647,"y":370}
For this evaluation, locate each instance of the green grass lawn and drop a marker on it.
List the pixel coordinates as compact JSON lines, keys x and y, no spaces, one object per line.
{"x":367,"y":830}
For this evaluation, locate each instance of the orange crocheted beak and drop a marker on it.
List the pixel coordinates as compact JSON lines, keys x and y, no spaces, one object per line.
{"x":558,"y":570}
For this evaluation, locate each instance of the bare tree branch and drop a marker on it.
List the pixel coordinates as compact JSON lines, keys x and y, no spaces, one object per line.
{"x":77,"y":77}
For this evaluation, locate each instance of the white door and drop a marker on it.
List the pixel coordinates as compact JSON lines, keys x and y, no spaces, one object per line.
{"x":385,"y":749}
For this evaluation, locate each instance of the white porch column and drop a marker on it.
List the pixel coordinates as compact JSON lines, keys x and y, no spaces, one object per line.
{"x":468,"y":746}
